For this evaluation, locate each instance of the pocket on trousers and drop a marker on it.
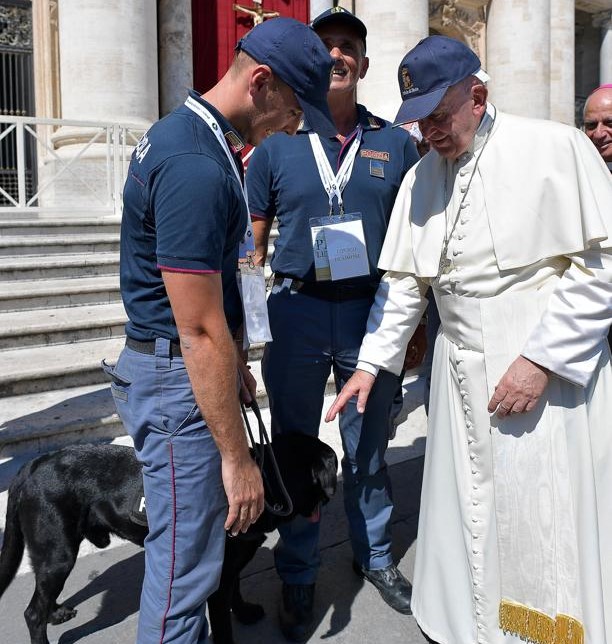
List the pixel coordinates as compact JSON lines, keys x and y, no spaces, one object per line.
{"x":193,"y":416}
{"x":120,"y":384}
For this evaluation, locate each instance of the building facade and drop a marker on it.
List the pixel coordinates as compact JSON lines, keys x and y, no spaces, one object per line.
{"x":131,"y":62}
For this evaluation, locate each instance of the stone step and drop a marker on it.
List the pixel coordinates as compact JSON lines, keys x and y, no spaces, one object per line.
{"x":41,"y":369}
{"x":58,"y":266}
{"x":68,"y":225}
{"x":73,"y":402}
{"x":22,"y":295}
{"x":44,"y":421}
{"x":33,"y":370}
{"x":61,"y":325}
{"x":37,"y":423}
{"x":21,"y":245}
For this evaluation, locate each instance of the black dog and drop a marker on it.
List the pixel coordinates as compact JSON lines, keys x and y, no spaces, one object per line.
{"x":88,"y":492}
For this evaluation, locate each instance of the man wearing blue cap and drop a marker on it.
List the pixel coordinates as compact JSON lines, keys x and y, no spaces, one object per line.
{"x":332,"y":197}
{"x":508,"y":220}
{"x":184,"y":240}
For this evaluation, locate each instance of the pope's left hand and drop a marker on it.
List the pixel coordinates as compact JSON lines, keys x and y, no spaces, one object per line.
{"x":519,"y":389}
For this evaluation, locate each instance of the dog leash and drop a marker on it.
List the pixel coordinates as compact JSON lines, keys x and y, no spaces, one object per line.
{"x":284,"y":507}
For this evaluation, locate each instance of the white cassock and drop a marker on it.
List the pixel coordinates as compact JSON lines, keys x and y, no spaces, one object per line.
{"x":515,"y":528}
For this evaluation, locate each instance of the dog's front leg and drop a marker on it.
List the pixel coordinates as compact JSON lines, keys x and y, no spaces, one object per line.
{"x":220,"y":614}
{"x":36,"y":619}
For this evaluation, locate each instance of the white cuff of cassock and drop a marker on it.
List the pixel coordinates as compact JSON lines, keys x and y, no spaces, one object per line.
{"x":367,"y":366}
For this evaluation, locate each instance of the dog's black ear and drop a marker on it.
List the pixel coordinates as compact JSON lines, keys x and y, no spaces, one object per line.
{"x":324,"y":473}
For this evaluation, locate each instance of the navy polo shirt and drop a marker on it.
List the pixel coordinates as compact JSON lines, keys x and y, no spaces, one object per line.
{"x":284,"y":182}
{"x":183,"y":211}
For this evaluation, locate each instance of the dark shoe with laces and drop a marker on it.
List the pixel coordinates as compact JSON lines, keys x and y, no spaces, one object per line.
{"x":393,"y":587}
{"x":295,"y":611}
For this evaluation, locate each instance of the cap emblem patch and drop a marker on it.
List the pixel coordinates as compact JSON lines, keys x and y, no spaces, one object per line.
{"x":406,"y":80}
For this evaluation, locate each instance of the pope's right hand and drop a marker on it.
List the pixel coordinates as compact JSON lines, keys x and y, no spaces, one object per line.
{"x":360,"y":384}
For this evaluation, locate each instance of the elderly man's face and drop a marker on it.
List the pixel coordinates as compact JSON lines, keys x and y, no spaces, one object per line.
{"x":450,"y":128}
{"x":598,"y":121}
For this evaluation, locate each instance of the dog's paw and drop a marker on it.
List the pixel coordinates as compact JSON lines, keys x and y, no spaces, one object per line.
{"x":248,"y":613}
{"x":62,"y":614}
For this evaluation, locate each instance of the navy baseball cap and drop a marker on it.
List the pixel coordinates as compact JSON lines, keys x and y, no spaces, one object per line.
{"x":341,"y":16}
{"x":428,"y":70}
{"x":297,"y":56}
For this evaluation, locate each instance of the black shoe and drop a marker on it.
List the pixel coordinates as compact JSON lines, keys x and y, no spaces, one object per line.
{"x":295,"y":611}
{"x":393,"y":587}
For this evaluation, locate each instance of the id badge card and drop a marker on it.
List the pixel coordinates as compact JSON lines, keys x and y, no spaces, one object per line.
{"x":339,"y":247}
{"x":252,"y":286}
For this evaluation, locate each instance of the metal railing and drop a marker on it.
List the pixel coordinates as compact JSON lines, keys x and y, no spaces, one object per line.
{"x":77,"y":165}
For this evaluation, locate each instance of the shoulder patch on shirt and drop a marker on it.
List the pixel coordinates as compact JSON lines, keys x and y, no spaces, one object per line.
{"x":374,"y":122}
{"x":375,"y":154}
{"x":234,"y":140}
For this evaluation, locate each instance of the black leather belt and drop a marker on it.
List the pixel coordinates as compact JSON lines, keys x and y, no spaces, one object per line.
{"x":148,"y":347}
{"x":328,"y":290}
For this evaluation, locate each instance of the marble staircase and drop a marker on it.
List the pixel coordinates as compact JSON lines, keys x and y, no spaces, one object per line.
{"x":60,"y":315}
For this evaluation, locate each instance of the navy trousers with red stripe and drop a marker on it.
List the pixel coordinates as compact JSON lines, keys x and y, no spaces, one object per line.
{"x":185,"y":500}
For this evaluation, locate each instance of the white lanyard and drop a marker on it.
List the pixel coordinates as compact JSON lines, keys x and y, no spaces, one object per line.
{"x":247,"y":243}
{"x":251,"y":281}
{"x":334,"y":184}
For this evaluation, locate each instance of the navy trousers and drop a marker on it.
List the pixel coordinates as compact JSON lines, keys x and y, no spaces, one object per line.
{"x":185,"y":500}
{"x":312,"y":337}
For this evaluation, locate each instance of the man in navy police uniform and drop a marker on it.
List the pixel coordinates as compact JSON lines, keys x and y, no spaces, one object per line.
{"x":318,"y":320}
{"x":176,"y":381}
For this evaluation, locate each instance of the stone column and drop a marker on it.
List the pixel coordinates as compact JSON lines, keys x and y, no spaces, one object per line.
{"x":604,"y":21}
{"x":175,"y":53}
{"x":108,"y":73}
{"x":562,"y":49}
{"x":518,"y":56}
{"x":319,"y":6}
{"x":46,"y":58}
{"x":108,"y":60}
{"x":394,"y":27}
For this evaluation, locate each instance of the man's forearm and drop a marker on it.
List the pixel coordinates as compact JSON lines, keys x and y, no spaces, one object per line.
{"x":211,"y":363}
{"x":394,"y":316}
{"x":568,"y":337}
{"x":261,"y":238}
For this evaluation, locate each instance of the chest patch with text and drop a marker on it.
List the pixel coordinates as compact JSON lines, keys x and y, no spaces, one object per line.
{"x":375,"y":154}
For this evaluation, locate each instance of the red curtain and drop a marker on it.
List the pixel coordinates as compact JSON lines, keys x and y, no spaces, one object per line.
{"x":217,"y":27}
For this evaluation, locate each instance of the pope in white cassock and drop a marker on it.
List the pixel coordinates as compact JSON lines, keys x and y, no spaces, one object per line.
{"x":509,"y":220}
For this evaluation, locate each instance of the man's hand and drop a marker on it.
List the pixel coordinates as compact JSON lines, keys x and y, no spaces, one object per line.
{"x":245,"y":494}
{"x":248,"y":384}
{"x":359,"y":384}
{"x":519,"y":389}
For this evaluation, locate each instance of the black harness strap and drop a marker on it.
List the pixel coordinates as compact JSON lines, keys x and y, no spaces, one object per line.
{"x":276,"y":498}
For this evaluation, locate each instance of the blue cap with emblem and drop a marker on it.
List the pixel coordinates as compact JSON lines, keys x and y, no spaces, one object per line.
{"x":297,"y":56}
{"x":428,"y":70}
{"x":340,"y":16}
